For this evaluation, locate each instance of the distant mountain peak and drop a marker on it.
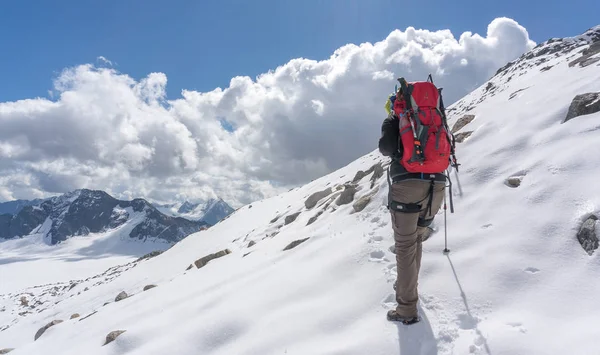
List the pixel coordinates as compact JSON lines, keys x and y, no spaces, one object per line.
{"x":84,"y":211}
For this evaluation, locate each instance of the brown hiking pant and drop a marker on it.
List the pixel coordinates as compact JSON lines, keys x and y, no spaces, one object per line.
{"x":408,"y":241}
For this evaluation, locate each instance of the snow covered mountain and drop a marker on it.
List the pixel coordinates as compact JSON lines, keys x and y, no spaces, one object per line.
{"x":81,"y":212}
{"x":211,"y":211}
{"x":309,"y":271}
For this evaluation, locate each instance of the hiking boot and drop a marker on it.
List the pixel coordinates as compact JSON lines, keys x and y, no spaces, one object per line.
{"x":393,"y":316}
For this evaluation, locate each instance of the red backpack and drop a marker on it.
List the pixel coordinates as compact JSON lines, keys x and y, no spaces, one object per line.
{"x":427,"y":141}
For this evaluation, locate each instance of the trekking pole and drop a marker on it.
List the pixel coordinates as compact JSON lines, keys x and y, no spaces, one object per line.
{"x":446,"y":250}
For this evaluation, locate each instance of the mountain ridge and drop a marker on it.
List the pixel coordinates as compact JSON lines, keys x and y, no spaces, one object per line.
{"x":83,"y":211}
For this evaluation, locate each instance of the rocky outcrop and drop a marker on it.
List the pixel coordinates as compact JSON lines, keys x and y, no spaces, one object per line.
{"x":148,"y":287}
{"x":584,"y":104}
{"x":291,"y":218}
{"x":463,"y":121}
{"x":313,"y":199}
{"x":514,"y":181}
{"x":460,"y":137}
{"x":295,"y":243}
{"x":6,"y":351}
{"x":112,"y":336}
{"x":43,"y":329}
{"x":314,"y":218}
{"x":204,"y":260}
{"x":150,"y":255}
{"x":585,"y":59}
{"x":347,"y":196}
{"x":121,"y":296}
{"x":587,"y":235}
{"x":362,"y":202}
{"x":251,"y":243}
{"x":74,"y":315}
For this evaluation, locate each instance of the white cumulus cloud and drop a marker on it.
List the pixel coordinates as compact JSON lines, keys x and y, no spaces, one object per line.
{"x":104,"y":130}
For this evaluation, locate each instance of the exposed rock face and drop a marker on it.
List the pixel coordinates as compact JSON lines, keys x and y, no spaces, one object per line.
{"x":148,"y":287}
{"x":6,"y":351}
{"x":295,"y":243}
{"x":587,"y":235}
{"x":313,"y":199}
{"x":75,"y":315}
{"x":584,"y":104}
{"x":204,"y":260}
{"x":150,"y":255}
{"x":347,"y":195}
{"x":463,"y":121}
{"x":585,"y":59}
{"x":86,"y":211}
{"x":361,"y":203}
{"x":251,"y":243}
{"x":44,"y":328}
{"x":313,"y":219}
{"x":113,"y":335}
{"x":291,"y":218}
{"x":460,"y":137}
{"x":121,"y":296}
{"x":514,"y":181}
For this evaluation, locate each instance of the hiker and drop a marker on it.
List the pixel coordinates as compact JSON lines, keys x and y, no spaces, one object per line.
{"x":416,"y":191}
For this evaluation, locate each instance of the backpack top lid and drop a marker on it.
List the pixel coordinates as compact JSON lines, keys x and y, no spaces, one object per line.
{"x":420,"y":94}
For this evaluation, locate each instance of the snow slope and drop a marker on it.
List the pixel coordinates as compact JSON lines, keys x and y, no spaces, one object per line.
{"x":516,"y":280}
{"x":30,"y":260}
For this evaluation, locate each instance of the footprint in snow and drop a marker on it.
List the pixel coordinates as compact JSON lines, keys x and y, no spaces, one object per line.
{"x":376,"y":238}
{"x":377,"y":256}
{"x":466,"y":321}
{"x":389,"y":302}
{"x":532,"y":270}
{"x":517,"y":326}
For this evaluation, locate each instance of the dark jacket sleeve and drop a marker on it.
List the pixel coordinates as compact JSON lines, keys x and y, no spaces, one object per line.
{"x":388,"y":143}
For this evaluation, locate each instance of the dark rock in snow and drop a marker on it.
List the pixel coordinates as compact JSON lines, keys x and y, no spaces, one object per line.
{"x":377,"y":173}
{"x":150,"y":255}
{"x":295,"y":243}
{"x":584,"y":104}
{"x":121,"y":296}
{"x":315,"y":217}
{"x":89,"y":315}
{"x":460,"y":137}
{"x":44,"y":328}
{"x":585,"y":59}
{"x":514,"y":181}
{"x":113,"y":335}
{"x":313,"y":199}
{"x":74,"y":315}
{"x":587,"y":235}
{"x":148,"y":287}
{"x":251,"y":243}
{"x":362,"y":202}
{"x":204,"y":260}
{"x":347,"y":195}
{"x":463,"y":121}
{"x":291,"y":218}
{"x":6,"y":351}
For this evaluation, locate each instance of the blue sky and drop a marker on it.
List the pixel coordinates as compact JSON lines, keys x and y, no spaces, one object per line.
{"x":200,"y":45}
